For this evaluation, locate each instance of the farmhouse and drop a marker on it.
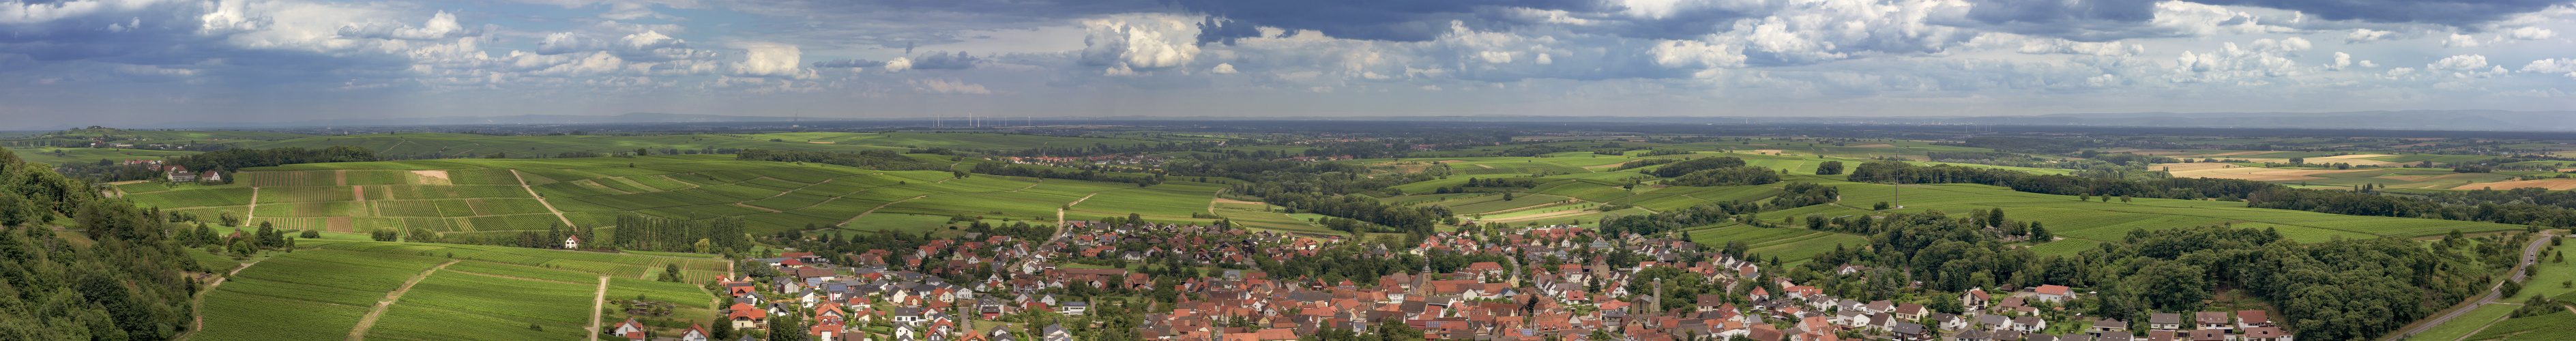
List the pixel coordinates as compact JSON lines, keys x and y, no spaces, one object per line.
{"x":629,"y":329}
{"x":178,"y":173}
{"x":2054,"y":293}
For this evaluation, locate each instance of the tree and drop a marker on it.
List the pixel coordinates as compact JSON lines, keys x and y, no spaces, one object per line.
{"x":1829,"y":168}
{"x":722,"y":331}
{"x":786,"y":328}
{"x":704,"y":246}
{"x":2172,"y":285}
{"x":2040,"y":234}
{"x":671,"y":272}
{"x":310,"y":234}
{"x":2084,"y":197}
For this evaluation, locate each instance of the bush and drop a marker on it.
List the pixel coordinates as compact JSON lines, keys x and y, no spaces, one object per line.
{"x":311,"y":234}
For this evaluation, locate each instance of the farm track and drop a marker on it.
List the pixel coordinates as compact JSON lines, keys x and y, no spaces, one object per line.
{"x":855,"y":218}
{"x":597,"y":298}
{"x":198,"y":303}
{"x":771,"y":210}
{"x":368,"y":322}
{"x":532,"y":192}
{"x":2530,"y":253}
{"x":253,"y":211}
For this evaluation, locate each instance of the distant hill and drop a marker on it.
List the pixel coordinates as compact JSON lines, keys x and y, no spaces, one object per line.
{"x":2477,"y":120}
{"x":640,"y":117}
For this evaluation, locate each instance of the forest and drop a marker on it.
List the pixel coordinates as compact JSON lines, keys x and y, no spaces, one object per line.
{"x":132,"y":283}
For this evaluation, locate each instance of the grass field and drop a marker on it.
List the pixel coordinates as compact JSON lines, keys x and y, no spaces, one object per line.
{"x":2467,"y":323}
{"x":306,"y":295}
{"x":2547,"y":283}
{"x":452,"y":305}
{"x":2552,"y":326}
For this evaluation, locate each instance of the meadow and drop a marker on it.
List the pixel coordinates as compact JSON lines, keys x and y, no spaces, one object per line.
{"x":2470,"y":322}
{"x":2551,"y":326}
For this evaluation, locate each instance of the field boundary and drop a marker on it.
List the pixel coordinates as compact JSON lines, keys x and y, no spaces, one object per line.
{"x":253,"y":211}
{"x":872,"y":210}
{"x":597,"y":298}
{"x":369,"y":321}
{"x":523,"y":185}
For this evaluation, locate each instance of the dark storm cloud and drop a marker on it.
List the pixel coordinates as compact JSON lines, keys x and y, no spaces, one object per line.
{"x":2446,"y":12}
{"x":1218,"y":30}
{"x":1392,"y":20}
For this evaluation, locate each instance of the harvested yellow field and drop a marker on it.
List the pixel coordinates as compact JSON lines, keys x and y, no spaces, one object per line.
{"x":2404,"y":177}
{"x":2229,"y":171}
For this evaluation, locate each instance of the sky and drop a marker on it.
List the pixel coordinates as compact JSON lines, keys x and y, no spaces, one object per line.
{"x":103,"y":62}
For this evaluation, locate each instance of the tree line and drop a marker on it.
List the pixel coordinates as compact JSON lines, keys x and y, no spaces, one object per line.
{"x":237,"y":159}
{"x":869,"y":159}
{"x":996,"y":168}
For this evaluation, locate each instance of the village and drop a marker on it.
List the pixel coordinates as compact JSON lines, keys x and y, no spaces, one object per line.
{"x":1040,"y":290}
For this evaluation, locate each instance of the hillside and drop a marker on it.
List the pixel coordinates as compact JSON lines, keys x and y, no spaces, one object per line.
{"x":332,"y":289}
{"x":469,"y":197}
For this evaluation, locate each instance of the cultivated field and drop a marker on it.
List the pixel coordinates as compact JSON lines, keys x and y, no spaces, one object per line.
{"x":482,"y":293}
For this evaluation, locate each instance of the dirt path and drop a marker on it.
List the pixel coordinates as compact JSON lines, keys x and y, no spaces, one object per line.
{"x":532,"y":192}
{"x":874,"y":210}
{"x":757,"y":207}
{"x":368,"y":322}
{"x":597,"y":298}
{"x":253,"y":211}
{"x":198,"y":304}
{"x":340,"y":177}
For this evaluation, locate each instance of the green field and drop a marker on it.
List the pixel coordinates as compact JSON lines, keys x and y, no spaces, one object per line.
{"x":475,"y":197}
{"x":2552,"y":274}
{"x":309,"y":295}
{"x":2552,"y":326}
{"x":489,"y":293}
{"x":2108,"y":221}
{"x":2467,"y":323}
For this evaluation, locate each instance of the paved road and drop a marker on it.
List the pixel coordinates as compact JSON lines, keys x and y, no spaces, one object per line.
{"x":2530,"y":253}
